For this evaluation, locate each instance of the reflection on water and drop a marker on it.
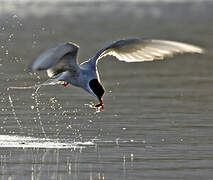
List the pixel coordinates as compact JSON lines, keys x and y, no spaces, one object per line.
{"x":157,"y":122}
{"x":48,"y":162}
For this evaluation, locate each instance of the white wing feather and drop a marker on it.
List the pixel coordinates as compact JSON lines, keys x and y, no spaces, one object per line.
{"x":138,"y":50}
{"x":57,"y":60}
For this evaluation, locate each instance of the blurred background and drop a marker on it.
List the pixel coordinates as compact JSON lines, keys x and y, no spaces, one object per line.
{"x":157,"y":122}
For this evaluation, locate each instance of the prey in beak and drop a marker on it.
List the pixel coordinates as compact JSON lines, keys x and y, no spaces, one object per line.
{"x":101,"y":104}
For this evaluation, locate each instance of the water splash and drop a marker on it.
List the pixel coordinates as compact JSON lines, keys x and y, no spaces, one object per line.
{"x":14,"y":112}
{"x":92,"y":106}
{"x":35,"y":97}
{"x":31,"y":142}
{"x":37,"y":86}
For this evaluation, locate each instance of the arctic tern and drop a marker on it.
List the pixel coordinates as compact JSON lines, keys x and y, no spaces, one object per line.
{"x":62,"y":65}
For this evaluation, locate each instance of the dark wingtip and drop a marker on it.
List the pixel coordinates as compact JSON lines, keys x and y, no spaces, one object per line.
{"x":32,"y":68}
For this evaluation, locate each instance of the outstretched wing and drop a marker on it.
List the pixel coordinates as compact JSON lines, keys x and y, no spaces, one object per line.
{"x":137,"y":50}
{"x":57,"y":60}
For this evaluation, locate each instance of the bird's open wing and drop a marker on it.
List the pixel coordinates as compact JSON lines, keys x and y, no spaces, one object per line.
{"x":137,"y":50}
{"x":57,"y":60}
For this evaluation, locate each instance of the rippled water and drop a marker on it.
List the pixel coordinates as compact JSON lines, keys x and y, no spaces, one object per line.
{"x":157,"y":122}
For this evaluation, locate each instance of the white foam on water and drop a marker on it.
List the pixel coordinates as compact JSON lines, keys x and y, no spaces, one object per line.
{"x":31,"y":142}
{"x":11,"y":141}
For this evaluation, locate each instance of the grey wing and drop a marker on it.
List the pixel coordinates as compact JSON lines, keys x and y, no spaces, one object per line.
{"x":137,"y":50}
{"x":57,"y":60}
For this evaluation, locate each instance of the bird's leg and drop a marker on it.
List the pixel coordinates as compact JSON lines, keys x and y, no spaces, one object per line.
{"x":65,"y":83}
{"x":101,"y":104}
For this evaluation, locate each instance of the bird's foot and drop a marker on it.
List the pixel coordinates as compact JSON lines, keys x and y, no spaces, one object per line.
{"x":99,"y":105}
{"x":64,"y":83}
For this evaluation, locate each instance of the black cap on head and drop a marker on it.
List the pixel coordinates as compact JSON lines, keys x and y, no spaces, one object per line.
{"x":97,"y":88}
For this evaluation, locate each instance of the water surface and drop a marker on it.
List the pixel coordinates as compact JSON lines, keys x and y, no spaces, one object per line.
{"x":157,"y":122}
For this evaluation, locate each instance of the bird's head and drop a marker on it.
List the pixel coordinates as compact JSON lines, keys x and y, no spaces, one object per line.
{"x":98,"y":91}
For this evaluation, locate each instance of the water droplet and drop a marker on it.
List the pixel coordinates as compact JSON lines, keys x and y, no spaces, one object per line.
{"x":11,"y":35}
{"x":131,"y":157}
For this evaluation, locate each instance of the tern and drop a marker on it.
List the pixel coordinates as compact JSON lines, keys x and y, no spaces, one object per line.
{"x":61,"y":62}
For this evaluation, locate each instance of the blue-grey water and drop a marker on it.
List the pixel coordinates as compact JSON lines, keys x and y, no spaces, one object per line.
{"x":158,"y":118}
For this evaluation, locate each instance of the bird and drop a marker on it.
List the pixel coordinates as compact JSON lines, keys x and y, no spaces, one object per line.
{"x":61,"y":62}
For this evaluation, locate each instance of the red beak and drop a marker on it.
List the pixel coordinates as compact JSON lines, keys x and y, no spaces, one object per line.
{"x":101,"y":104}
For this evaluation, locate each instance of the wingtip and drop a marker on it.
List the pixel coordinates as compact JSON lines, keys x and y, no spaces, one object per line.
{"x":198,"y":50}
{"x":72,"y":44}
{"x":30,"y":67}
{"x":33,"y":67}
{"x":202,"y":51}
